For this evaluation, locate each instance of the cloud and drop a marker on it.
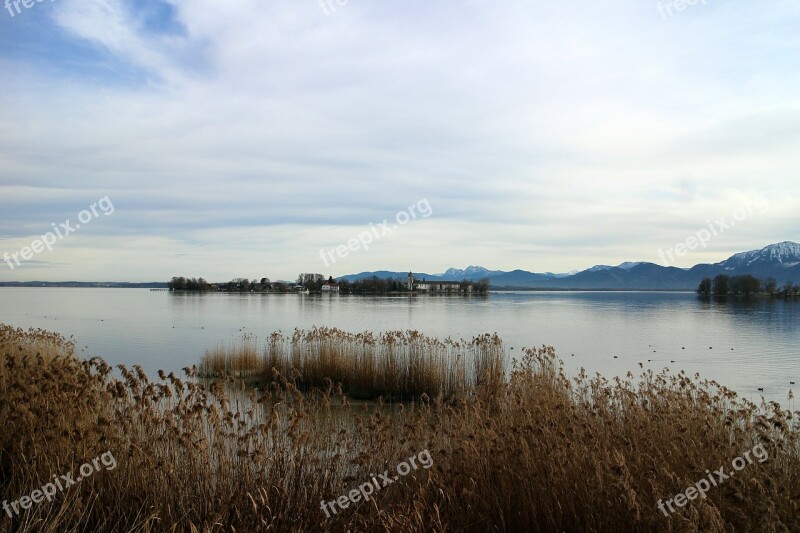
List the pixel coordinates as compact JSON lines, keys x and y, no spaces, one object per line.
{"x":244,"y":137}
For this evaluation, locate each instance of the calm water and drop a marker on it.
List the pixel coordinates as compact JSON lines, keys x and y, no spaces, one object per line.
{"x":170,"y":331}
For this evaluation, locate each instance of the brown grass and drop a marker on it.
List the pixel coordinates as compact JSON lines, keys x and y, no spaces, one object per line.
{"x":535,"y":452}
{"x":395,"y":365}
{"x":239,"y":360}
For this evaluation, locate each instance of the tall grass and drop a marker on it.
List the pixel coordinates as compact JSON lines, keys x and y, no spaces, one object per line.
{"x":534,"y":452}
{"x":394,"y":365}
{"x":239,"y":360}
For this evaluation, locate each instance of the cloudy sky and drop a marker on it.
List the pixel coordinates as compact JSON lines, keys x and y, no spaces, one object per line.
{"x":241,"y":138}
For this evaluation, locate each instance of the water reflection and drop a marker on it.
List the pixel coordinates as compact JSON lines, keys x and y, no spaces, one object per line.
{"x":745,"y":345}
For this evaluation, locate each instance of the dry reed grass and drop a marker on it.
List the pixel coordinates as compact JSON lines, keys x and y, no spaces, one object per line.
{"x":395,"y":365}
{"x":535,"y":452}
{"x":221,"y":361}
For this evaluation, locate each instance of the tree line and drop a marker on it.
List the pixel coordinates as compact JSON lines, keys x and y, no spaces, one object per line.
{"x":376,"y":285}
{"x":314,"y":283}
{"x":311,"y":281}
{"x":745,"y":285}
{"x":180,"y":283}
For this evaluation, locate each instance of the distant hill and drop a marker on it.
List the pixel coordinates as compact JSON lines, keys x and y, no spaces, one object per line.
{"x":89,"y":284}
{"x":471,"y":273}
{"x":780,"y":261}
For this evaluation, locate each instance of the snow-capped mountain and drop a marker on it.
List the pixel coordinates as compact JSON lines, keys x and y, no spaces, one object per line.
{"x":471,"y":272}
{"x":780,"y":261}
{"x":624,"y":266}
{"x":785,"y":253}
{"x":598,"y":268}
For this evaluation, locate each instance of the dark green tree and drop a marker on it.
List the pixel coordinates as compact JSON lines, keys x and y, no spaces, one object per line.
{"x":770,"y":286}
{"x":704,"y":289}
{"x":721,"y":285}
{"x":788,"y":289}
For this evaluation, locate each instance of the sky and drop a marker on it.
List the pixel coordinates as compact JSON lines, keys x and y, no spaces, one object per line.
{"x":261,"y":138}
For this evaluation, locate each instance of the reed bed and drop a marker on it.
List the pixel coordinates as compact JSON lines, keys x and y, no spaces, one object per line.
{"x":536,"y":451}
{"x":394,"y":365}
{"x":239,"y":360}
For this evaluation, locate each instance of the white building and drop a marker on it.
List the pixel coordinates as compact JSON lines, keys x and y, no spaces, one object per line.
{"x":434,"y":286}
{"x":330,"y":287}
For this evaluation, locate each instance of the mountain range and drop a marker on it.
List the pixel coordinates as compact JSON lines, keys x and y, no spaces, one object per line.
{"x":780,"y":261}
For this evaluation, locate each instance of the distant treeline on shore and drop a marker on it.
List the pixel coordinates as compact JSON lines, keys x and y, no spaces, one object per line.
{"x":746,"y":286}
{"x":235,"y":285}
{"x":318,"y":283}
{"x":376,"y":285}
{"x":87,"y":284}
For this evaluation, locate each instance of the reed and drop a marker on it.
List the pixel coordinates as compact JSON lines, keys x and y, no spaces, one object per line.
{"x":397,"y":365}
{"x":535,"y":451}
{"x":239,"y":360}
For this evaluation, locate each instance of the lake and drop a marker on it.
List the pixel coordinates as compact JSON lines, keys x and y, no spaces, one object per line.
{"x":743,"y":345}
